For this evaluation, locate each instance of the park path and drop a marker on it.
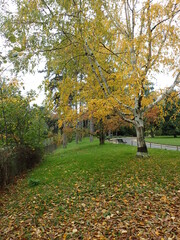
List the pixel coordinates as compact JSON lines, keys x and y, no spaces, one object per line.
{"x":133,"y":142}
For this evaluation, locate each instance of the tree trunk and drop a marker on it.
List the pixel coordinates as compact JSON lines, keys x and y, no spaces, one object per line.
{"x":102,"y":139}
{"x":139,"y":126}
{"x":64,"y":140}
{"x":64,"y":137}
{"x":91,"y":126}
{"x":80,"y":130}
{"x":141,"y":144}
{"x":101,"y":133}
{"x":4,"y":118}
{"x":152,"y":132}
{"x":77,"y":138}
{"x":77,"y":133}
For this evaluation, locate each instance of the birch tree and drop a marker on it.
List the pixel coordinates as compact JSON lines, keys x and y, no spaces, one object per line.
{"x":118,"y":46}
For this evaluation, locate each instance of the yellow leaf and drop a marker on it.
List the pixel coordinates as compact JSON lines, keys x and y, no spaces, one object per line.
{"x":64,"y":236}
{"x":157,"y":233}
{"x":163,"y":199}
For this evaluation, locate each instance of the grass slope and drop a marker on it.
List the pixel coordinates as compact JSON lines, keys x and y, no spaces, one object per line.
{"x":165,"y":140}
{"x":89,"y":191}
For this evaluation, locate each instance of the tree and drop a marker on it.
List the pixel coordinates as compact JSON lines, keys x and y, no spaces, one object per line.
{"x":171,"y":109}
{"x":20,"y":124}
{"x":116,"y":45}
{"x":152,"y":120}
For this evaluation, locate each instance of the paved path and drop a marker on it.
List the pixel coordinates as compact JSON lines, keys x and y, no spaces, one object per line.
{"x":133,"y":142}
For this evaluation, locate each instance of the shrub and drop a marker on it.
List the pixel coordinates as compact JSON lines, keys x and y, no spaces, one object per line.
{"x":16,"y":161}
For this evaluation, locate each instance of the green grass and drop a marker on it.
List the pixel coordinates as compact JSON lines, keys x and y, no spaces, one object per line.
{"x":89,"y":191}
{"x":169,"y":140}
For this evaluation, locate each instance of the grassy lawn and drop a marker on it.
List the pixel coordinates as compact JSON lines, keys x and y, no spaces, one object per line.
{"x":89,"y":191}
{"x":165,"y":140}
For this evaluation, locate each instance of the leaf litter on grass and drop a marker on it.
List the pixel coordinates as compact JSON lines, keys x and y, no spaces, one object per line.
{"x":132,"y":201}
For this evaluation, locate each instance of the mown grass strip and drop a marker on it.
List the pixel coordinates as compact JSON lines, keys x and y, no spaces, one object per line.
{"x":168,"y":140}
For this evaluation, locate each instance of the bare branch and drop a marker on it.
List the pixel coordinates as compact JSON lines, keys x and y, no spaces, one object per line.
{"x":162,"y":44}
{"x":129,"y":6}
{"x":124,"y":105}
{"x":99,"y":68}
{"x":116,"y":54}
{"x":164,"y":20}
{"x":73,"y":58}
{"x":121,"y":114}
{"x":48,"y":7}
{"x":95,"y":73}
{"x":166,"y":92}
{"x":53,"y":49}
{"x":117,"y":24}
{"x":149,"y":39}
{"x":127,"y":19}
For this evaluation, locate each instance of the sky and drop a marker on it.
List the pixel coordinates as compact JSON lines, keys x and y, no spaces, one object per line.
{"x":32,"y":81}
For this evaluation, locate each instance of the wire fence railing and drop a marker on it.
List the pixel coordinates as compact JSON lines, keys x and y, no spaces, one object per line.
{"x":133,"y":142}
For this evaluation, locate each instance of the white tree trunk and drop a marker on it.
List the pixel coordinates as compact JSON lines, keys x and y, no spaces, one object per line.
{"x":141,"y":144}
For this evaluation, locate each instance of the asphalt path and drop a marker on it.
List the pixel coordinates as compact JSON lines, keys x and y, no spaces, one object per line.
{"x":133,"y":142}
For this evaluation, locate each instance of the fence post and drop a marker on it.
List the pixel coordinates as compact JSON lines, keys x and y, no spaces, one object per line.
{"x":150,"y":144}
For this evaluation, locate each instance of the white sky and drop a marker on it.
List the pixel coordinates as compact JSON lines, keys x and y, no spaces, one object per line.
{"x":32,"y":81}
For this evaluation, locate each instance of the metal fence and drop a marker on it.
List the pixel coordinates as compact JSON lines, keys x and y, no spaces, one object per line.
{"x":162,"y":146}
{"x":133,"y":142}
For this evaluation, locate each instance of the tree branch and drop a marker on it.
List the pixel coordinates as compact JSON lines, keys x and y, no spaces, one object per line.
{"x":124,"y":105}
{"x":166,"y":92}
{"x":123,"y":31}
{"x":116,"y":54}
{"x":161,"y":46}
{"x":53,"y":49}
{"x":164,"y":20}
{"x":124,"y":116}
{"x":95,"y":73}
{"x":48,"y":7}
{"x":73,"y":58}
{"x":99,"y":68}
